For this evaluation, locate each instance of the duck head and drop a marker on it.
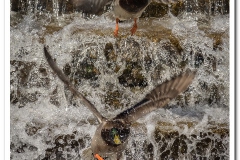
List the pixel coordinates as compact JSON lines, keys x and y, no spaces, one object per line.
{"x":115,"y":133}
{"x":110,"y":137}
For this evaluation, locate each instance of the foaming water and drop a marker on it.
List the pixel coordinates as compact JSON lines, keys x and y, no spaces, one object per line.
{"x":48,"y":122}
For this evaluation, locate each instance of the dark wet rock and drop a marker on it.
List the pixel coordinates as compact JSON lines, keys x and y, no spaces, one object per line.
{"x":87,"y":70}
{"x":158,"y":72}
{"x":13,"y":98}
{"x":164,"y":146}
{"x":199,"y":59}
{"x":38,"y":80}
{"x":67,"y":145}
{"x":132,"y":76}
{"x":212,"y":60}
{"x":113,"y":99}
{"x":109,"y":52}
{"x":32,"y":148}
{"x":48,"y":153}
{"x":193,"y":154}
{"x":79,"y":70}
{"x":15,"y":5}
{"x":15,"y":18}
{"x":183,"y":64}
{"x":222,"y":131}
{"x":203,"y":146}
{"x":214,"y":152}
{"x":43,"y":71}
{"x":128,"y":154}
{"x":148,"y":149}
{"x":214,"y":94}
{"x":207,"y":7}
{"x":20,"y":147}
{"x":203,"y":134}
{"x":32,"y":128}
{"x":187,"y":98}
{"x":204,"y":6}
{"x":43,"y":6}
{"x":159,"y":33}
{"x":75,"y":144}
{"x":111,"y":58}
{"x":157,"y":136}
{"x":148,"y":62}
{"x":203,"y":85}
{"x":217,"y":40}
{"x":21,"y":98}
{"x":66,"y":7}
{"x":54,"y":99}
{"x":172,"y":48}
{"x":179,"y":146}
{"x":171,"y":134}
{"x":27,"y":75}
{"x":20,"y":150}
{"x":177,"y":8}
{"x":171,"y":145}
{"x":219,"y":7}
{"x":165,"y":155}
{"x":175,"y":148}
{"x":220,"y":146}
{"x":67,"y":69}
{"x":22,"y":70}
{"x":130,"y":49}
{"x":194,"y":136}
{"x":180,"y":100}
{"x":143,"y":149}
{"x":155,"y":10}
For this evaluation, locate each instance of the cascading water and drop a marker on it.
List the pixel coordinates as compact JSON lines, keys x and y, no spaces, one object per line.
{"x":47,"y":122}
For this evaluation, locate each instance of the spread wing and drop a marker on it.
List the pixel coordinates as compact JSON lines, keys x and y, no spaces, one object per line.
{"x":66,"y":81}
{"x":158,"y":97}
{"x":90,"y":6}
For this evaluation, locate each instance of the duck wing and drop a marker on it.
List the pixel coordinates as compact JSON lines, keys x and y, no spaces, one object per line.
{"x":90,"y":6}
{"x":66,"y":81}
{"x":158,"y":97}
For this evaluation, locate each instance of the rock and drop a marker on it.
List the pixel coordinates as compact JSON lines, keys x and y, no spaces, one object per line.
{"x":155,"y":10}
{"x":132,"y":76}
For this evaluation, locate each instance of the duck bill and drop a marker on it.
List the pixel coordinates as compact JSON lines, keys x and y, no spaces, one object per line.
{"x":117,"y":139}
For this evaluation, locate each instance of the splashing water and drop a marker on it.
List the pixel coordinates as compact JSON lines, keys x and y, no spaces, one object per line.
{"x":47,"y":122}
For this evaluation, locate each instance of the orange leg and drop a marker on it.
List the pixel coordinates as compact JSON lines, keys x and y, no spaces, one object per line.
{"x":116,"y":29}
{"x":134,"y":28}
{"x":98,"y":157}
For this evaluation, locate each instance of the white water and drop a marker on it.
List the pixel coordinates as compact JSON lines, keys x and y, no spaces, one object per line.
{"x":64,"y":119}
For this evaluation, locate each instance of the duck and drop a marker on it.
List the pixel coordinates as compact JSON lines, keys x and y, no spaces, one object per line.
{"x":112,"y":134}
{"x":122,"y":9}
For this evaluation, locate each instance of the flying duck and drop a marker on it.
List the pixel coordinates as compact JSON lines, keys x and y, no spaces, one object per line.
{"x":111,"y":136}
{"x":122,"y":9}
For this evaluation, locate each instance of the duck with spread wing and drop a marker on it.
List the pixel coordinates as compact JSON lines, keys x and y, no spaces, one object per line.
{"x":111,"y":136}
